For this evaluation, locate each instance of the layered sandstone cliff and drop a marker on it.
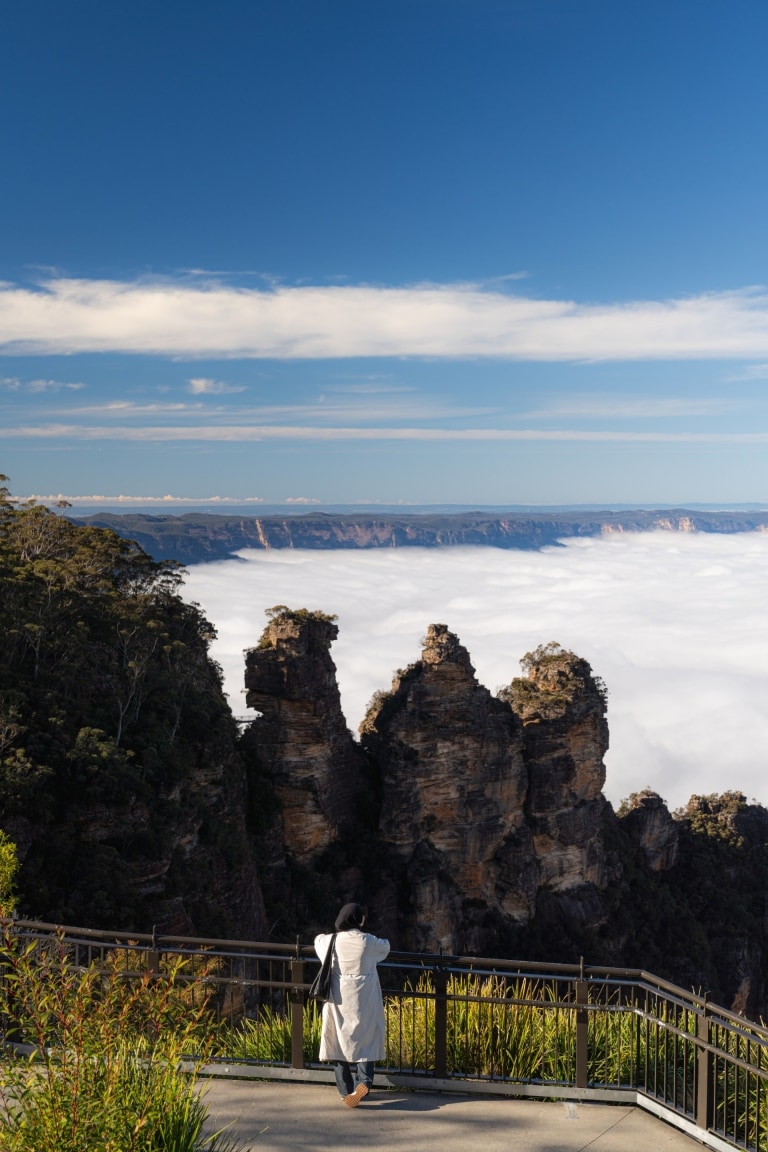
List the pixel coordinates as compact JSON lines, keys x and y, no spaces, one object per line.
{"x":485,"y":802}
{"x":565,"y":737}
{"x":647,"y":818}
{"x":197,"y":537}
{"x":454,"y":784}
{"x":301,"y":736}
{"x":477,"y":824}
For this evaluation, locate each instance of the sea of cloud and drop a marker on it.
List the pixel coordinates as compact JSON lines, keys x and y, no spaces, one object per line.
{"x":675,"y":624}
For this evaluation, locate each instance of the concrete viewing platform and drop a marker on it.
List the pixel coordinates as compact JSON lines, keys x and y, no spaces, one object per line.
{"x":274,"y":1116}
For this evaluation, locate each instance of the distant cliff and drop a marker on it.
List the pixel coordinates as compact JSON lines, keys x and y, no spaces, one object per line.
{"x":198,"y":537}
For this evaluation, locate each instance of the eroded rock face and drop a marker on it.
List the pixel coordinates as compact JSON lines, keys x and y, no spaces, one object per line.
{"x":453,"y":788}
{"x":490,"y":833}
{"x":650,"y":823}
{"x":565,"y":737}
{"x":302,"y":736}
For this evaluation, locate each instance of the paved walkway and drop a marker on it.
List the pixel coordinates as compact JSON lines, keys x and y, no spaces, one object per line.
{"x":270,"y":1116}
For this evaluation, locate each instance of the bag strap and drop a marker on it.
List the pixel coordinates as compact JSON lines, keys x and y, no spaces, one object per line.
{"x":328,"y":958}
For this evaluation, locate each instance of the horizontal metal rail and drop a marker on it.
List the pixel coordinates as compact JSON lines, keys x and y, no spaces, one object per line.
{"x":472,"y":1022}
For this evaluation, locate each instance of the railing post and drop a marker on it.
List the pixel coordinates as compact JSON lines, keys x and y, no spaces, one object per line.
{"x":441,"y":1023}
{"x":703,"y":1071}
{"x":637,"y":1080}
{"x":153,"y":956}
{"x":296,"y":996}
{"x":582,"y":1033}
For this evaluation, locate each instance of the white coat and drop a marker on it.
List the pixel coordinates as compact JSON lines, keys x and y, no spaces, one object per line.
{"x":353,"y":1022}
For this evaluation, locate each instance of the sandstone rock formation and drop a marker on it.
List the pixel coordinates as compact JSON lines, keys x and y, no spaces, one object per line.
{"x":723,"y":867}
{"x":485,"y":803}
{"x":650,"y":823}
{"x":302,"y":737}
{"x":453,"y":789}
{"x":481,"y":824}
{"x":565,"y":734}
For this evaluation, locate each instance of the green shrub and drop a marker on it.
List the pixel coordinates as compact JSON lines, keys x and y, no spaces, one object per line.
{"x":9,"y":867}
{"x":101,"y":1059}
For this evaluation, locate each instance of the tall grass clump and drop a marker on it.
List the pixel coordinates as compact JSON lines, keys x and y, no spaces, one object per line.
{"x":511,"y":1030}
{"x":410,"y":1027}
{"x":266,"y":1037}
{"x":741,"y":1105}
{"x":495,"y":1028}
{"x":94,"y":1058}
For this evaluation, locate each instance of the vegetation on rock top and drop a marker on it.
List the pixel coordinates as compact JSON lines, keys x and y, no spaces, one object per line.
{"x":554,"y":678}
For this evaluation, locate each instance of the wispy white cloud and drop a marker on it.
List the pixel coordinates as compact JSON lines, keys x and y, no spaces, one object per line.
{"x":325,"y":409}
{"x":202,"y":386}
{"x":301,"y":500}
{"x":371,"y":389}
{"x":750,"y":372}
{"x":52,"y":386}
{"x":673,"y":623}
{"x":240,"y":433}
{"x":608,"y":406}
{"x":454,"y":320}
{"x":506,"y":278}
{"x":129,"y":408}
{"x":14,"y":384}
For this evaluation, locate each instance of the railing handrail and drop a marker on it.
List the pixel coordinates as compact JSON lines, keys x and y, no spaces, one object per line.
{"x":638,"y":978}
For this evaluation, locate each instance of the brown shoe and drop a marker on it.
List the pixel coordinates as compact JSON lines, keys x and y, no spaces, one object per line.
{"x":355,"y":1097}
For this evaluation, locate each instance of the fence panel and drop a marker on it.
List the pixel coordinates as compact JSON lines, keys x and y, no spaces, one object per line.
{"x":468,"y":1018}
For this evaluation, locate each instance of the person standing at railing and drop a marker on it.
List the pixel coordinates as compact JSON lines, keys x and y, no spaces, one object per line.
{"x":353,"y":1035}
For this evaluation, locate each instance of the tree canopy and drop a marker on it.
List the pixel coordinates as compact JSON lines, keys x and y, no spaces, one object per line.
{"x":105,"y":683}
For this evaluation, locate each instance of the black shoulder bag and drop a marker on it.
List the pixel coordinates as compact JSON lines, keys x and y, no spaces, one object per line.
{"x":321,"y":985}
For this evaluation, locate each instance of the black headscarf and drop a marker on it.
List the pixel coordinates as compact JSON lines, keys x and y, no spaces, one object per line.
{"x":351,"y":916}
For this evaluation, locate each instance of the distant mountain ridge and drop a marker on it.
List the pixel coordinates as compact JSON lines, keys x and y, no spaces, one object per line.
{"x":198,"y":537}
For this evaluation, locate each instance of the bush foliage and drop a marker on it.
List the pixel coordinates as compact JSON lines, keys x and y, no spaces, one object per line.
{"x":107,"y":697}
{"x":95,"y":1060}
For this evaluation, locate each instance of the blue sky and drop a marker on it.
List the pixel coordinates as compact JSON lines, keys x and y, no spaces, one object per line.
{"x":437,"y":251}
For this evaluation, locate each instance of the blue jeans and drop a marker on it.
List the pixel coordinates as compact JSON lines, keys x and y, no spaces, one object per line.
{"x":348,"y":1076}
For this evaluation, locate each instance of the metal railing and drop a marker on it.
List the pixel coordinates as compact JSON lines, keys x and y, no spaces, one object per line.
{"x":554,"y":1030}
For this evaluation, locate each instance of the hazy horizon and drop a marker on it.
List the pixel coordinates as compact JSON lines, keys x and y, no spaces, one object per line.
{"x":163,"y":505}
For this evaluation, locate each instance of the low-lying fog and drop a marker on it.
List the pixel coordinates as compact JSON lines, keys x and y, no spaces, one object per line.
{"x":675,"y":624}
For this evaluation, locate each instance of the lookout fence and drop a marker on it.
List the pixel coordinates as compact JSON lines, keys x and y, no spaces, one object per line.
{"x":471,"y":1024}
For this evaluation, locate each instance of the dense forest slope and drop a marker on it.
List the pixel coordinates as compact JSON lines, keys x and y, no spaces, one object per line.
{"x":466,"y":821}
{"x":197,"y":537}
{"x":120,"y":777}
